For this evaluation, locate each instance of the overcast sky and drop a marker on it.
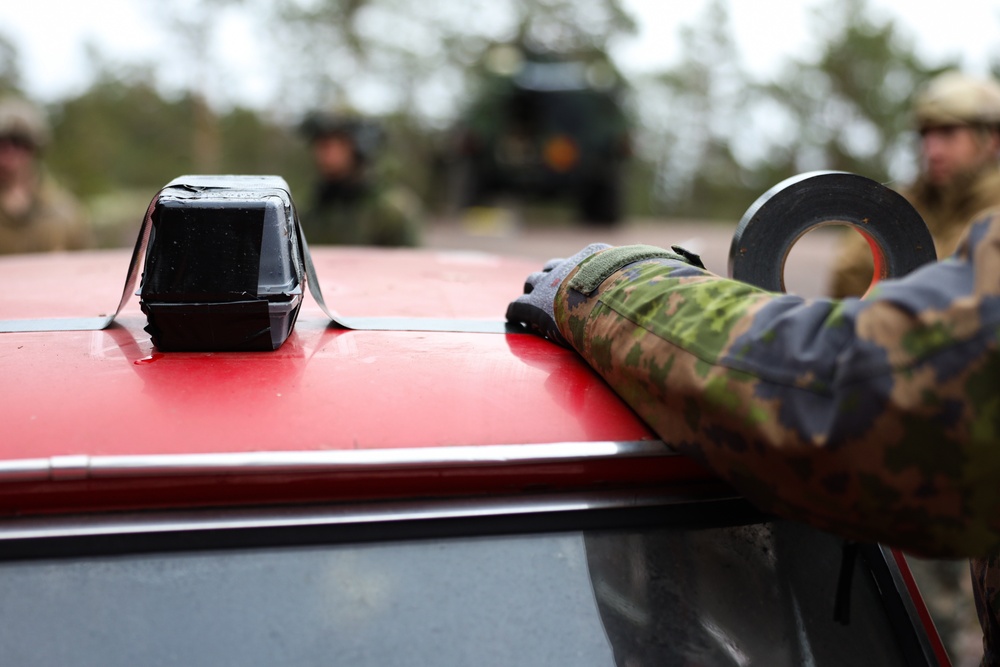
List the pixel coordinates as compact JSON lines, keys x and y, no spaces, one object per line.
{"x":51,"y":34}
{"x":769,"y":31}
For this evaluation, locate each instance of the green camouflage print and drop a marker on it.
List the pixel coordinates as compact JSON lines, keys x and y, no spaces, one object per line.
{"x":877,"y":419}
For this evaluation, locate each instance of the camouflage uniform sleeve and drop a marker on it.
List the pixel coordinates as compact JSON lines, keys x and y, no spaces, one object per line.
{"x":877,"y":419}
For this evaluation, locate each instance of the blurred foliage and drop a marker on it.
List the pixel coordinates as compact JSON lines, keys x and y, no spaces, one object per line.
{"x":10,"y":77}
{"x":415,"y":55}
{"x":120,"y":141}
{"x":726,"y":138}
{"x":709,"y":137}
{"x":851,"y":107}
{"x":126,"y":135}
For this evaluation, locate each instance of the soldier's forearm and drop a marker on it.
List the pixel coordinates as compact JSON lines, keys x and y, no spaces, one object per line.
{"x":829,"y":412}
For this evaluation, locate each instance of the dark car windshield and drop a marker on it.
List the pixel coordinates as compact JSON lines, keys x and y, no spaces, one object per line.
{"x":750,"y":595}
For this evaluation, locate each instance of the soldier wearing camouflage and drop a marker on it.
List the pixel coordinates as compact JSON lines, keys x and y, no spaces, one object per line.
{"x":351,"y":204}
{"x":958,"y":118}
{"x":36,"y":213}
{"x":875,"y":419}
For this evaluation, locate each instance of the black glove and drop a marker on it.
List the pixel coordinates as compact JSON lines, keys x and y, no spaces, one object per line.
{"x":535,"y":308}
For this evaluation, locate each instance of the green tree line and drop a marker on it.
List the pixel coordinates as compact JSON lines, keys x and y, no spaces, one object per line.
{"x":709,"y":136}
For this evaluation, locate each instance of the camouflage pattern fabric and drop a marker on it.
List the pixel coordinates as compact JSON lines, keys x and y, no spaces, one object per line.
{"x":54,"y":221}
{"x":876,"y":419}
{"x":946,"y":211}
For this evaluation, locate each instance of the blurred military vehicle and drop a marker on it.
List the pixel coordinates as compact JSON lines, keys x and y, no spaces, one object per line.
{"x":544,"y":125}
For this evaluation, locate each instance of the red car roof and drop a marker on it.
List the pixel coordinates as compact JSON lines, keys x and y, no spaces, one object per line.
{"x":102,"y":418}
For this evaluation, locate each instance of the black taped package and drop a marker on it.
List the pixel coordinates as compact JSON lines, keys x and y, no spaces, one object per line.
{"x":223,"y":267}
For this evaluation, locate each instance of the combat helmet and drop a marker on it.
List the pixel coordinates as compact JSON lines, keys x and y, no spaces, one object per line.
{"x":954,"y":98}
{"x":23,"y":120}
{"x":366,"y":134}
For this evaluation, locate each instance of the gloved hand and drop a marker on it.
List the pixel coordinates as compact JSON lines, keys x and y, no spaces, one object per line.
{"x":535,"y":308}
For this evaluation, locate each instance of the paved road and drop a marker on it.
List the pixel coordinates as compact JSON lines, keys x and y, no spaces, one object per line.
{"x":806,"y":271}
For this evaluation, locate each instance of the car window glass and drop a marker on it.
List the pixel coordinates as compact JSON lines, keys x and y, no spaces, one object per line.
{"x":760,"y":594}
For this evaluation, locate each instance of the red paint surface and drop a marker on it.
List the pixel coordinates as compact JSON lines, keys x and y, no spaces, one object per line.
{"x":918,"y":602}
{"x":104,"y":393}
{"x":878,"y":259}
{"x":111,"y":393}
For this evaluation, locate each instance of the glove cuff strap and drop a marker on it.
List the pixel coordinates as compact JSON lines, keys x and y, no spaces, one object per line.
{"x":598,"y":267}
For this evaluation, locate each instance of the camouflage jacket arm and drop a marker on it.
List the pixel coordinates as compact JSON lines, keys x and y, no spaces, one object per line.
{"x":878,"y":419}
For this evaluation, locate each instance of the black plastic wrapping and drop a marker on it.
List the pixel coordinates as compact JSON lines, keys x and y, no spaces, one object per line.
{"x":223,"y":269}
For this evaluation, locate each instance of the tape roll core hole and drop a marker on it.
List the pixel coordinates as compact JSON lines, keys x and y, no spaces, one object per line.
{"x":799,"y":270}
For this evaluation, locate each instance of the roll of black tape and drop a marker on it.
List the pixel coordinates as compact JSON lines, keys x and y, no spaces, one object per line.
{"x":896,"y":233}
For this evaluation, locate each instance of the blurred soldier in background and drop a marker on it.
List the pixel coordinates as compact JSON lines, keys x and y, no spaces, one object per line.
{"x":958,"y":118}
{"x":36,"y":214}
{"x":350,"y":204}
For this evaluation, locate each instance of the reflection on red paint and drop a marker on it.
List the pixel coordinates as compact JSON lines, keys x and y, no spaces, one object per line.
{"x":150,"y":359}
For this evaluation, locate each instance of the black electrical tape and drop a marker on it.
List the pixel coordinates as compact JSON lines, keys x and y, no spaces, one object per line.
{"x":897,"y":234}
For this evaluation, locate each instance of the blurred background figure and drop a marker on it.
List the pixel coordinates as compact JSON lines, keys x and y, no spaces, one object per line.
{"x":36,"y":213}
{"x":958,"y":117}
{"x":353,"y":203}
